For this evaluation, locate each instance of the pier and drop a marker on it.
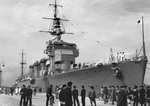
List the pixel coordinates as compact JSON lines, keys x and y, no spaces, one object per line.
{"x":40,"y":100}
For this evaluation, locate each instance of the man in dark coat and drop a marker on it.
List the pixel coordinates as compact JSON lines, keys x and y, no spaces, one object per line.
{"x":75,"y":96}
{"x":68,"y":94}
{"x":23,"y":95}
{"x":29,"y":96}
{"x":92,"y":96}
{"x":142,"y":93}
{"x":135,"y":96}
{"x":148,"y":96}
{"x":113,"y":94}
{"x":109,"y":93}
{"x":62,"y":95}
{"x":83,"y":93}
{"x":34,"y":91}
{"x":122,"y":95}
{"x":11,"y":91}
{"x":48,"y":94}
{"x":105,"y":91}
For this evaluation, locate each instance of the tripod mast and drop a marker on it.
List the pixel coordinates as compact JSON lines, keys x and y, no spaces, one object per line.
{"x":22,"y":62}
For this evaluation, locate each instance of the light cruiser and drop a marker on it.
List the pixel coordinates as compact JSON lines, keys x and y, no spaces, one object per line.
{"x":60,"y":67}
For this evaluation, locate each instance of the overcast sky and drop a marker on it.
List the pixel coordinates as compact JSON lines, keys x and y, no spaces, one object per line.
{"x":112,"y":23}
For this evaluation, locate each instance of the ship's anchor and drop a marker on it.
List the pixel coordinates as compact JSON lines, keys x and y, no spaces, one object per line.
{"x":117,"y":72}
{"x":145,"y":59}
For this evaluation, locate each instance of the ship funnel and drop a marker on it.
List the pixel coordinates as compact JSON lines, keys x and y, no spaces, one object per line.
{"x":31,"y":70}
{"x":36,"y":69}
{"x":43,"y":66}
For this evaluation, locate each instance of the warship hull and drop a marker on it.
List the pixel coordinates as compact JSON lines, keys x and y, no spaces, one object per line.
{"x":133,"y":73}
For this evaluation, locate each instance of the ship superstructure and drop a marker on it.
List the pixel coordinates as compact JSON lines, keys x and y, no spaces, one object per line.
{"x":61,"y":54}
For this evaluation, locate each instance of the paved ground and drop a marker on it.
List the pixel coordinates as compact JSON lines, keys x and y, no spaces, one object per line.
{"x":38,"y":100}
{"x":8,"y":101}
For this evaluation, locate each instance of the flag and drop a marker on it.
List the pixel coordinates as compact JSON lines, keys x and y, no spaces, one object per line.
{"x":139,"y":21}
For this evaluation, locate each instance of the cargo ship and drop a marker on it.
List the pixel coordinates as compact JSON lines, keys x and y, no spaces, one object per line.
{"x":61,"y":67}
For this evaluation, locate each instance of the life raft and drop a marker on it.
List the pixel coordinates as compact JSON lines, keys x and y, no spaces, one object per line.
{"x":117,"y":72}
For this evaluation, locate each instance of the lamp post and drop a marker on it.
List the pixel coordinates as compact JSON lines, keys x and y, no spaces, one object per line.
{"x":1,"y":65}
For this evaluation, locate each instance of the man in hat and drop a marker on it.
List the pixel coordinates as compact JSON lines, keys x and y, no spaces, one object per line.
{"x":122,"y":95}
{"x":92,"y":96}
{"x":49,"y":94}
{"x":113,"y":94}
{"x":68,"y":94}
{"x":148,"y":96}
{"x":105,"y":91}
{"x":23,"y":95}
{"x":62,"y":95}
{"x":109,"y":93}
{"x":135,"y":96}
{"x":83,"y":93}
{"x":75,"y":96}
{"x":142,"y":93}
{"x":29,"y":95}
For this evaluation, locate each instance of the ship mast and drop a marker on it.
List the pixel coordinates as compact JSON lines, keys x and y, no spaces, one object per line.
{"x":55,"y":9}
{"x":22,"y":62}
{"x":57,"y":28}
{"x":144,"y":51}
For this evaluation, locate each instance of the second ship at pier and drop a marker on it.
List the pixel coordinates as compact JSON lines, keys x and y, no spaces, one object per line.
{"x":60,"y":66}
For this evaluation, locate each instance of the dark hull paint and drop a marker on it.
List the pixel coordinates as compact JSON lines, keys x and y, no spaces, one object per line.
{"x":133,"y":74}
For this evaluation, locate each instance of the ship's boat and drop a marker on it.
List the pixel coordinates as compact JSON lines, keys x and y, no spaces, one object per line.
{"x":60,"y":66}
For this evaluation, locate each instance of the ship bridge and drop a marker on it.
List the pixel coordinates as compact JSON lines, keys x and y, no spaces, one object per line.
{"x":62,"y":55}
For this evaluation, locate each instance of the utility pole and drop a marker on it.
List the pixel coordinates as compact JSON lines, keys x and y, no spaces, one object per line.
{"x":1,"y":78}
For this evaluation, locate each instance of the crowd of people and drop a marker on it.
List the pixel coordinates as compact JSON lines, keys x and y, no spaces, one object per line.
{"x":120,"y":95}
{"x":68,"y":95}
{"x":24,"y":92}
{"x":16,"y":90}
{"x":65,"y":94}
{"x":123,"y":95}
{"x":120,"y":57}
{"x":26,"y":95}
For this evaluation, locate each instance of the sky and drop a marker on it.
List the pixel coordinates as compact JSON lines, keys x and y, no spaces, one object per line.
{"x":98,"y":25}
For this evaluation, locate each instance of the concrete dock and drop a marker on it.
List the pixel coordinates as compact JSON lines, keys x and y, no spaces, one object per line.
{"x":39,"y":100}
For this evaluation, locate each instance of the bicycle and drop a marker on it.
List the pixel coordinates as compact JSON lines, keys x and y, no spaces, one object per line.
{"x":51,"y":100}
